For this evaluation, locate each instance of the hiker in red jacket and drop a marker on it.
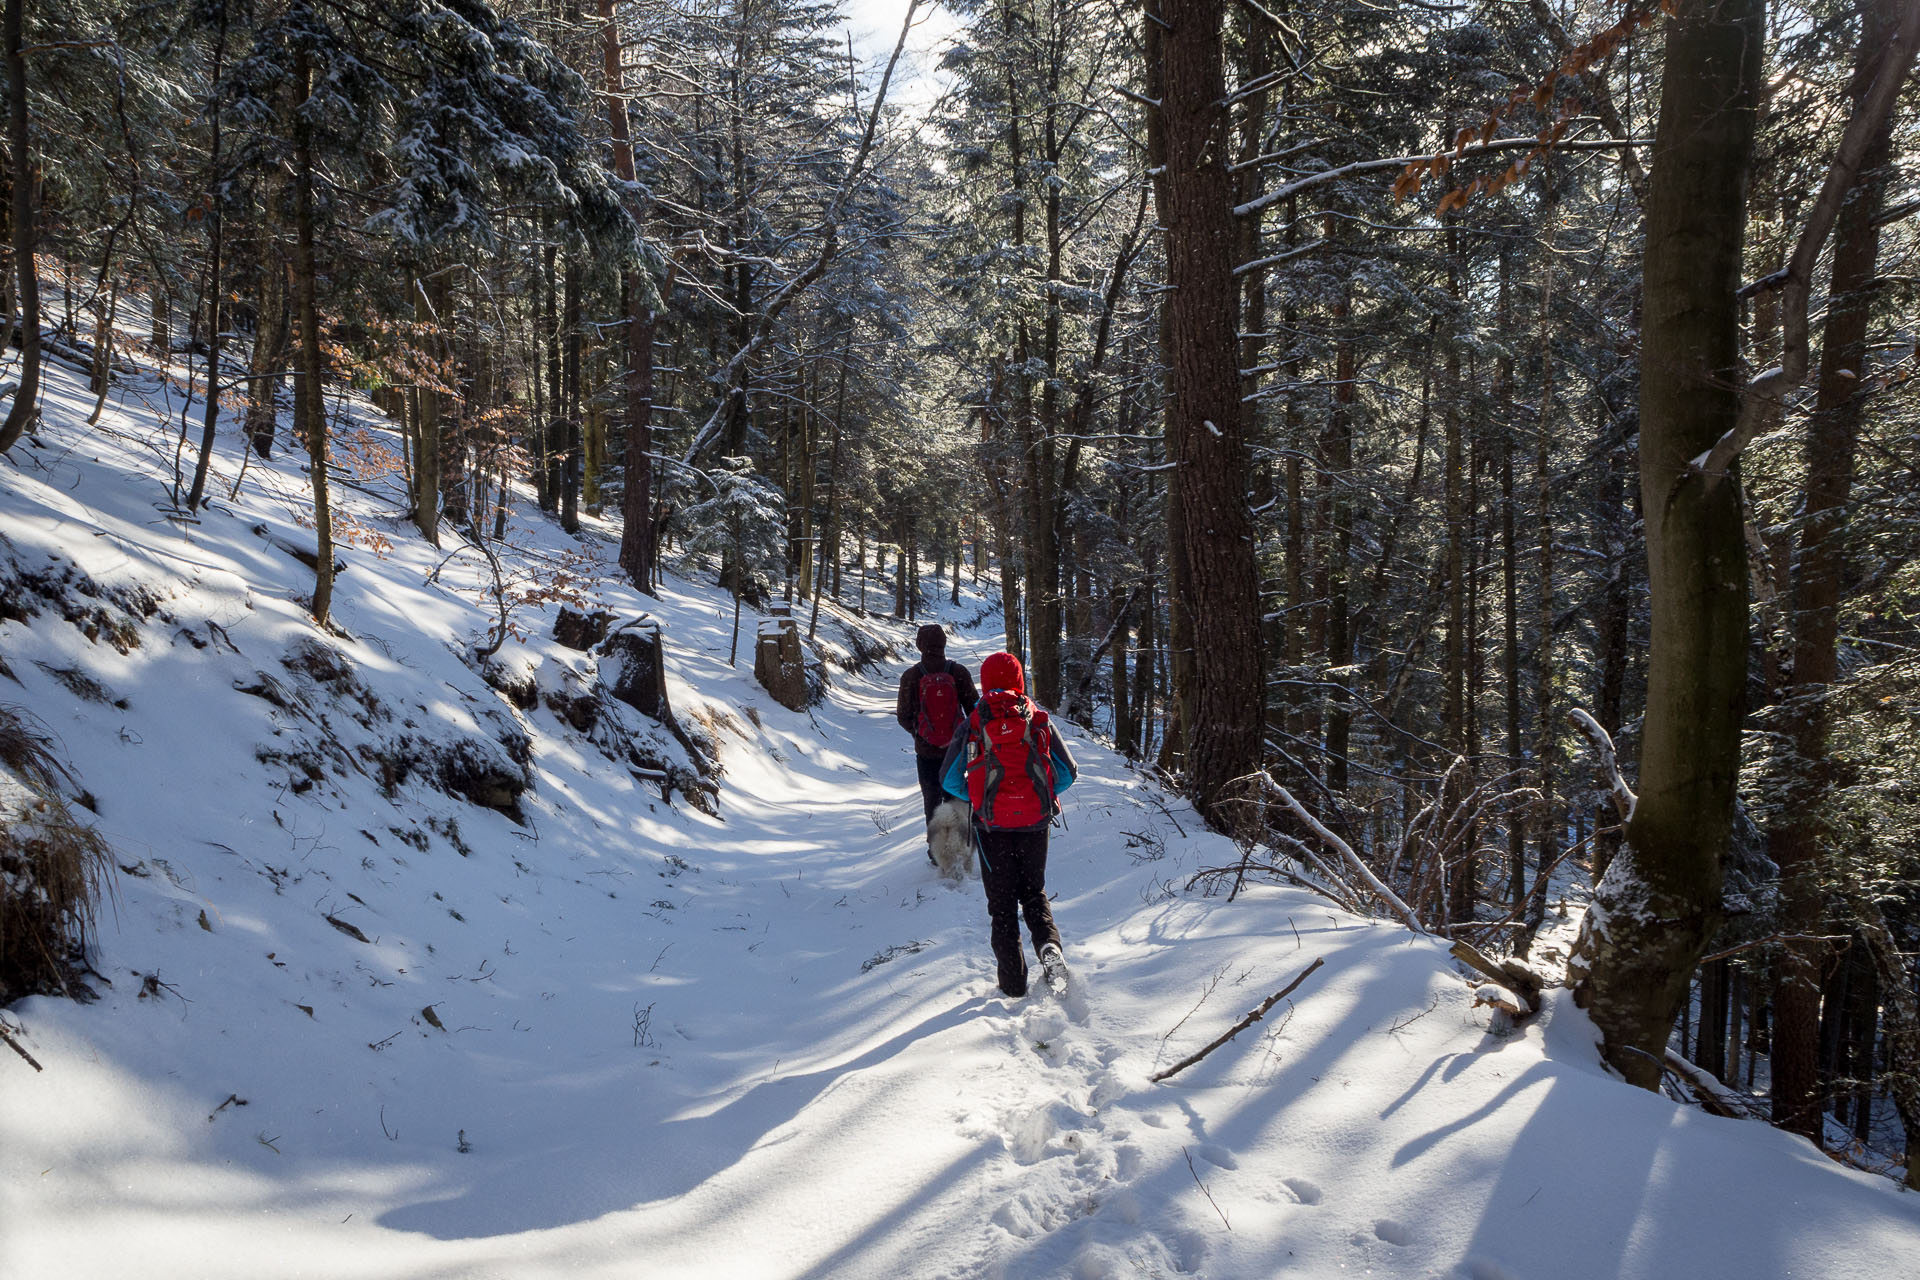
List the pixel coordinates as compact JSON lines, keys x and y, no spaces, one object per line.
{"x":935,"y":697}
{"x":1010,"y":763}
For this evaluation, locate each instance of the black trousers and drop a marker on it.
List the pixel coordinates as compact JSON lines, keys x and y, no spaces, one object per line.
{"x":930,"y":793}
{"x":1013,"y":867}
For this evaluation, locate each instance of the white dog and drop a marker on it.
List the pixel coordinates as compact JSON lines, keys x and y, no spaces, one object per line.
{"x":950,"y":836}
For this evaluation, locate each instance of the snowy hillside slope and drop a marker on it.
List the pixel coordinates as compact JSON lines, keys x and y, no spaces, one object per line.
{"x":354,"y":1024}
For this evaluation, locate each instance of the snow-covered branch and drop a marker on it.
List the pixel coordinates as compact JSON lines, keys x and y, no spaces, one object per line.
{"x":1341,"y":847}
{"x":1609,"y":763}
{"x":1278,"y":258}
{"x":789,"y":292}
{"x":1278,"y":194}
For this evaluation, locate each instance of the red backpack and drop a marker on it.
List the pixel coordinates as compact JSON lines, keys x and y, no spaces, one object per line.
{"x":939,"y":708}
{"x":1010,"y":762}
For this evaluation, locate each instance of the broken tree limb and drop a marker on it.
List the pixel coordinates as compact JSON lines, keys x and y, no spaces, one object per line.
{"x":20,"y":1049}
{"x":1713,"y":1095}
{"x":1609,"y":762}
{"x":1509,"y":976}
{"x":1239,"y":1026}
{"x":1509,"y":1002}
{"x":1345,"y":851}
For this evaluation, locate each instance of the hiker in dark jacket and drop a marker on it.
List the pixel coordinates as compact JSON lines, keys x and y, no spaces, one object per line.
{"x":1010,"y":763}
{"x":931,"y":709}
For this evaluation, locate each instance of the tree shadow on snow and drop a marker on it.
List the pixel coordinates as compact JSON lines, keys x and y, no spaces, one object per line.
{"x":628,"y":1161}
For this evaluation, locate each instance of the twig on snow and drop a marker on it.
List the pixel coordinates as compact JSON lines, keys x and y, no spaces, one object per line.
{"x":18,"y":1048}
{"x":1239,"y":1026}
{"x":1203,"y":1186}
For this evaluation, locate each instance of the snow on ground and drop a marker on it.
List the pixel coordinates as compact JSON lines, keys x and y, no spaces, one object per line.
{"x":766,"y":1044}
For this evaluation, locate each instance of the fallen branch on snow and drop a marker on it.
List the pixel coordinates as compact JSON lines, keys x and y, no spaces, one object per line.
{"x":1237,"y":1027}
{"x":1510,"y":978}
{"x":1363,"y":873}
{"x":1713,"y":1095}
{"x":16,"y":1046}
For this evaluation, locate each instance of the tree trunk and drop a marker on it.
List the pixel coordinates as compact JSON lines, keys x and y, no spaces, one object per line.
{"x":1818,"y":587}
{"x":1204,"y":418}
{"x":1710,"y":1043}
{"x":272,"y":325}
{"x":1339,"y":550}
{"x":1454,"y":660}
{"x":26,"y":397}
{"x":312,"y":414}
{"x":1510,"y":664}
{"x":426,"y":422}
{"x":638,"y":549}
{"x":101,"y":383}
{"x":1615,"y":521}
{"x":1143,"y":664}
{"x":1659,"y":902}
{"x":1122,"y":712}
{"x":1901,"y":1010}
{"x":216,"y":286}
{"x":544,"y":443}
{"x":1547,"y":717}
{"x":830,"y":530}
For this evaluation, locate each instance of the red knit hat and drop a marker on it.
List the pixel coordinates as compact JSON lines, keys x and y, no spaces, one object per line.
{"x":1002,"y":671}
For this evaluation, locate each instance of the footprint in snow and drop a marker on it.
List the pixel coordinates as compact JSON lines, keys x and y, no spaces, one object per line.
{"x":1393,"y":1232}
{"x":1098,"y":1260}
{"x":1029,"y":1134}
{"x":1305,"y":1190}
{"x":1218,"y":1157}
{"x":1108,"y":1086}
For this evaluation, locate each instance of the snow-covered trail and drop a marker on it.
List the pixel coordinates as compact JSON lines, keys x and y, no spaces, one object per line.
{"x":348,"y":1035}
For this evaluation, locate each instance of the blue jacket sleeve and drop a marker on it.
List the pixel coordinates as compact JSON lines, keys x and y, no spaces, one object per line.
{"x":1065,"y":771}
{"x":953,"y":767}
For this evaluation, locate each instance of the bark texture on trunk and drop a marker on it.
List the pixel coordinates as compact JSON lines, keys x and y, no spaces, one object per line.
{"x":1659,"y":902}
{"x":26,"y":398}
{"x":1205,"y":432}
{"x":216,"y":289}
{"x":428,"y":297}
{"x":312,"y":414}
{"x":638,"y":546}
{"x":272,"y":326}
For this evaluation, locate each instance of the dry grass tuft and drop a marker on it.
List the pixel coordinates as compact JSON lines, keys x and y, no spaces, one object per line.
{"x":52,"y":868}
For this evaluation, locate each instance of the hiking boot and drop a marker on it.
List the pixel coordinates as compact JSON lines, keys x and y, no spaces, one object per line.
{"x":1054,"y":965}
